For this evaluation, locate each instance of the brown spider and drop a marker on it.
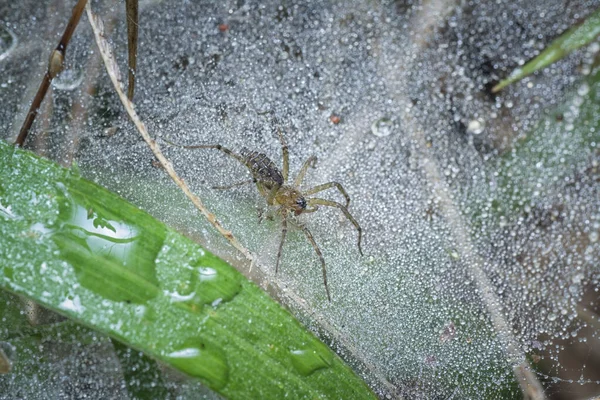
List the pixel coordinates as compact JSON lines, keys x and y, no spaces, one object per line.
{"x":273,"y":185}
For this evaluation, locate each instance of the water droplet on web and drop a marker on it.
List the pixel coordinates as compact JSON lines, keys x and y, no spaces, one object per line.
{"x":454,"y":254}
{"x":68,"y":79}
{"x":382,"y":127}
{"x":476,"y":126}
{"x":583,"y":89}
{"x":8,"y":42}
{"x":7,"y":357}
{"x":577,"y":278}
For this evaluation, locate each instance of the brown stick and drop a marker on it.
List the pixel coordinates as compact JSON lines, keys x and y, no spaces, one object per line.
{"x":113,"y":73}
{"x":132,"y":41}
{"x":55,"y":65}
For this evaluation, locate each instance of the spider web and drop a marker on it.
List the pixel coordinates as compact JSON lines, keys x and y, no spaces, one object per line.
{"x":459,"y":193}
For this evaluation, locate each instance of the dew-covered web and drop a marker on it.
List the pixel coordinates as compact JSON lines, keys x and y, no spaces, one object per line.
{"x":480,"y":212}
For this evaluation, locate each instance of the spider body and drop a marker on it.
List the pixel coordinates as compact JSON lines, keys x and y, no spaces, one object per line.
{"x":290,"y":200}
{"x":262,"y":168}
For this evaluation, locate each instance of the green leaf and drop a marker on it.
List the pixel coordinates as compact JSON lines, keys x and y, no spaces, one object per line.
{"x":78,"y":249}
{"x":538,"y":154}
{"x":568,"y":42}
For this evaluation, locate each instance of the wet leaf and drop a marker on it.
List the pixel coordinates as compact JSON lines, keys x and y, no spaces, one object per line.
{"x":566,"y":43}
{"x":151,"y":288}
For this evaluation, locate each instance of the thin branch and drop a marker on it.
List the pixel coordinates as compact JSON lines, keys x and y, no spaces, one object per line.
{"x":113,"y":72}
{"x":132,"y":42}
{"x":55,"y":65}
{"x":423,"y":25}
{"x":530,"y":385}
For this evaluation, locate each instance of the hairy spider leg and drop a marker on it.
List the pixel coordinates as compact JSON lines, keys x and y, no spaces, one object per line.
{"x":283,"y":233}
{"x":271,"y":195}
{"x":286,"y":156}
{"x":310,"y":238}
{"x":314,"y":201}
{"x":310,"y":162}
{"x":325,"y":186}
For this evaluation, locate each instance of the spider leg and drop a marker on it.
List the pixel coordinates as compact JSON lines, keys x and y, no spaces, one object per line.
{"x":325,"y":186}
{"x":286,"y":156}
{"x":310,"y":162}
{"x":310,"y":210}
{"x":310,"y":238}
{"x":283,"y":233}
{"x":329,"y":203}
{"x":211,"y":146}
{"x":234,"y":184}
{"x":264,"y":214}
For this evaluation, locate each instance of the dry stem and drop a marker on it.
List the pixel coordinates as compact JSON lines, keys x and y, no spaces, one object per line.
{"x":113,"y":72}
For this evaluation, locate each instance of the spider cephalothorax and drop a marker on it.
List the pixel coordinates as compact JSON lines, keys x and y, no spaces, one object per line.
{"x":290,"y":199}
{"x":272,"y":184}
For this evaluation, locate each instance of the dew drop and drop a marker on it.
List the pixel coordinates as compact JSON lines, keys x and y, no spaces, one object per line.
{"x":583,"y":89}
{"x":92,"y":237}
{"x":476,"y":126}
{"x":7,"y":356}
{"x":309,"y":359}
{"x":8,"y":42}
{"x":214,"y":285}
{"x":382,"y":127}
{"x":69,"y":79}
{"x":7,"y":212}
{"x":72,"y":304}
{"x":197,"y":358}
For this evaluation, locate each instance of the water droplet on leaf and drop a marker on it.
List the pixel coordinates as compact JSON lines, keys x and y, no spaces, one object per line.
{"x":199,"y":359}
{"x":308,"y":359}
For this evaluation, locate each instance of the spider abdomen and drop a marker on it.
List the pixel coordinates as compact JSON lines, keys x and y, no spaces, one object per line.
{"x":262,"y":168}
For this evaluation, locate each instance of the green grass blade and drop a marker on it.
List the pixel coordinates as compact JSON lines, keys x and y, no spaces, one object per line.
{"x":560,"y":146}
{"x":568,"y":42}
{"x":78,"y":249}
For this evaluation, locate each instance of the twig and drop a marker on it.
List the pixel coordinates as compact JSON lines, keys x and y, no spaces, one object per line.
{"x":132,"y":41}
{"x":530,"y":385}
{"x":423,"y":24}
{"x":113,"y":72}
{"x":55,"y":65}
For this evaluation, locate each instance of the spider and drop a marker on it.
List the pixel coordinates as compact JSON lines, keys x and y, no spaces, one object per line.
{"x":273,"y":186}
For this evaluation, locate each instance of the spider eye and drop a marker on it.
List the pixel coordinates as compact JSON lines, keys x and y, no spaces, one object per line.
{"x":301,"y":202}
